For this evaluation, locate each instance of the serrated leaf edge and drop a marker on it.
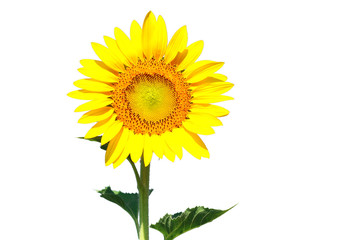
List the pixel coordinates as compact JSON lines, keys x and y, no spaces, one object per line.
{"x":171,"y":216}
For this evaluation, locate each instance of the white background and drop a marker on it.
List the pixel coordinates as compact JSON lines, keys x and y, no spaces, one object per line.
{"x":288,"y":153}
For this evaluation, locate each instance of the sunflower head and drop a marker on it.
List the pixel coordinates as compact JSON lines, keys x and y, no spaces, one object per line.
{"x":150,"y":95}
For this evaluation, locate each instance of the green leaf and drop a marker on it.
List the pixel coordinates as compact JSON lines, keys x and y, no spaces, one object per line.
{"x":128,"y":201}
{"x":172,"y":226}
{"x":96,"y":139}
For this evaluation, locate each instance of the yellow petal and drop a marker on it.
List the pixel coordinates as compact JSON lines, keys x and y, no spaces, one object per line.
{"x":208,"y":80}
{"x":121,"y":158}
{"x":96,"y":115}
{"x":94,"y":71}
{"x":180,"y":57}
{"x":220,"y":76}
{"x":87,"y":95}
{"x":111,"y":131}
{"x":111,"y":146}
{"x":118,"y":146}
{"x":173,"y":143}
{"x":194,"y":51}
{"x":198,"y":128}
{"x":169,"y":154}
{"x":214,"y":110}
{"x":200,"y":70}
{"x":93,"y":85}
{"x":155,"y":140}
{"x":211,"y":99}
{"x":94,"y":104}
{"x":109,"y":57}
{"x":137,"y":147}
{"x":97,"y":65}
{"x":204,"y":119}
{"x":177,"y":44}
{"x":136,"y":39}
{"x":148,"y":43}
{"x":160,"y":39}
{"x":125,"y":153}
{"x":193,"y":144}
{"x":100,"y":127}
{"x":212,"y":89}
{"x":117,"y":53}
{"x":125,"y":46}
{"x":186,"y":142}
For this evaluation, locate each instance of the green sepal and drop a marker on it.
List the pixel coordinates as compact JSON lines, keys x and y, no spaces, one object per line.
{"x":96,"y":139}
{"x":127,"y":201}
{"x":172,"y":226}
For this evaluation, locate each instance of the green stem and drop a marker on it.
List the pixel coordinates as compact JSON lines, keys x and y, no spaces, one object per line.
{"x":135,"y":171}
{"x":144,"y":200}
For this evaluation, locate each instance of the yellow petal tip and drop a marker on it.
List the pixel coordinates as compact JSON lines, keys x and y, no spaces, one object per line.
{"x":150,"y":12}
{"x":81,"y":121}
{"x":88,"y":137}
{"x":96,"y":45}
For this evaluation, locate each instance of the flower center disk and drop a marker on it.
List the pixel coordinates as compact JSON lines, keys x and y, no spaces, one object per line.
{"x":151,"y":97}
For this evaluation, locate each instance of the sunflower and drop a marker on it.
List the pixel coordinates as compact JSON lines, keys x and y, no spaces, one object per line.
{"x":148,"y":95}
